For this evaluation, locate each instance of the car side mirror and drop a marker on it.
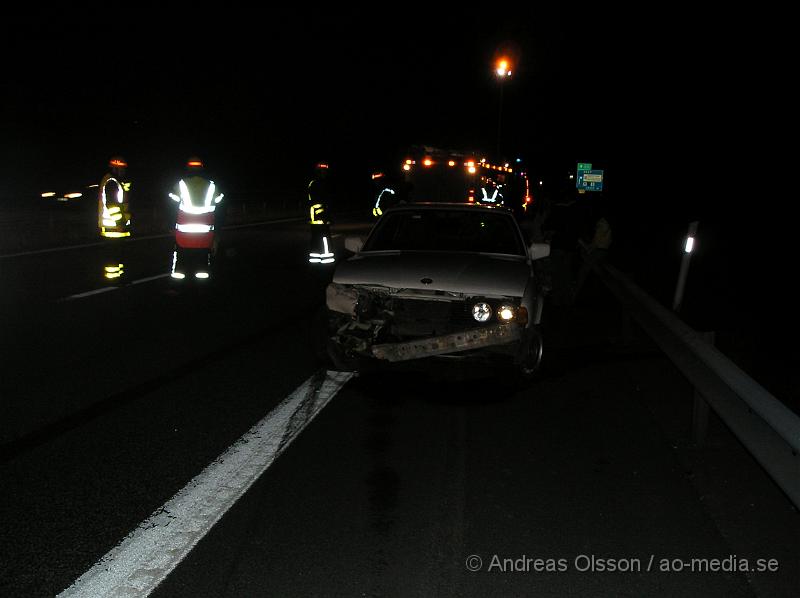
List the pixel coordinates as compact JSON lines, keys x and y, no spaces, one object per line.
{"x":538,"y":251}
{"x":353,"y":244}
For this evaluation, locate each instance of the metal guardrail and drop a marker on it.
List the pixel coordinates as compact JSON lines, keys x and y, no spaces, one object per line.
{"x":763,"y":424}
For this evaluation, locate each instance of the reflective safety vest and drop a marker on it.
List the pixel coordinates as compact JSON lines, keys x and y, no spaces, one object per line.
{"x":377,"y":211}
{"x":113,"y":212}
{"x":197,"y":200}
{"x":496,"y":197}
{"x":317,"y":202}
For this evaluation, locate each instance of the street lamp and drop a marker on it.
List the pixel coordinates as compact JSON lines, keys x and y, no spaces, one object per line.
{"x":502,"y":71}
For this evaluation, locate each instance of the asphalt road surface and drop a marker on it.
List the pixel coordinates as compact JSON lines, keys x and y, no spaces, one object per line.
{"x":115,"y":397}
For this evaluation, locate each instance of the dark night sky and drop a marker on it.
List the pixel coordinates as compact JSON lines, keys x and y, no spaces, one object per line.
{"x":330,"y":84}
{"x":659,"y":97}
{"x":341,"y":84}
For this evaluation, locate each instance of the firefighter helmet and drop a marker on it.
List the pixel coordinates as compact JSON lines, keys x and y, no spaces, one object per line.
{"x":194,"y":164}
{"x":118,"y":163}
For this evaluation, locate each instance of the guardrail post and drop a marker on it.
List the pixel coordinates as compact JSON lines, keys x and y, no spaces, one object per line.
{"x":700,"y":409}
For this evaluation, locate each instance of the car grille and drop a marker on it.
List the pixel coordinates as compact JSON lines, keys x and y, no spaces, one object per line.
{"x":420,"y":317}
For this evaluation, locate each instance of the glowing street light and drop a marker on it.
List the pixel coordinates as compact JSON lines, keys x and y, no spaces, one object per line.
{"x":502,"y":68}
{"x":503,"y":72}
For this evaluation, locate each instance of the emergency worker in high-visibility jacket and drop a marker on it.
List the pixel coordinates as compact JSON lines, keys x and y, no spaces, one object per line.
{"x":113,"y":202}
{"x":198,"y":199}
{"x":319,"y":199}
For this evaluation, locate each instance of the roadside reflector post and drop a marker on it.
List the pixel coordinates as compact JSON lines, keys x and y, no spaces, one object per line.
{"x":688,"y":247}
{"x":700,"y":409}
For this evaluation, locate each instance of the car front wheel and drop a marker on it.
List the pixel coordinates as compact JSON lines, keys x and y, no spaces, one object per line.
{"x":531,"y":358}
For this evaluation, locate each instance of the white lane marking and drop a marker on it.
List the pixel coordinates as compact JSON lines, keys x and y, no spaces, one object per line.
{"x":84,"y":245}
{"x":144,"y":559}
{"x":149,"y":278}
{"x":143,"y":238}
{"x":88,"y":293}
{"x":107,"y":289}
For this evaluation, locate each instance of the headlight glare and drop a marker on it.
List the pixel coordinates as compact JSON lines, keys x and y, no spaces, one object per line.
{"x":506,"y":313}
{"x":481,"y":311}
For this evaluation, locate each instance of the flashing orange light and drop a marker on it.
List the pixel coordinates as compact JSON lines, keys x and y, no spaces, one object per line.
{"x":470,"y":163}
{"x":194,"y":164}
{"x":118,"y":163}
{"x":503,"y":68}
{"x":377,"y":175}
{"x":322,"y":165}
{"x":451,"y":163}
{"x":406,"y":166}
{"x":427,"y":162}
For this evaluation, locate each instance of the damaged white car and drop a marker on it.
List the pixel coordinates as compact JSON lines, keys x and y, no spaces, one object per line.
{"x":436,"y":281}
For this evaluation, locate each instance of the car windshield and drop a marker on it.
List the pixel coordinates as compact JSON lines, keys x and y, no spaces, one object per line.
{"x":475,"y":231}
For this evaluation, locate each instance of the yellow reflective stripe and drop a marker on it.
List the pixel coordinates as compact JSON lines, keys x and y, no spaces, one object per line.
{"x":315,"y":211}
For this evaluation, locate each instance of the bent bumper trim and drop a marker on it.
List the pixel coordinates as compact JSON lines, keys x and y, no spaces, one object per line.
{"x":499,"y":334}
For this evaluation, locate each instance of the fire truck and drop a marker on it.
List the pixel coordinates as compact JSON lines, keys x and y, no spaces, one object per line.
{"x":431,"y":174}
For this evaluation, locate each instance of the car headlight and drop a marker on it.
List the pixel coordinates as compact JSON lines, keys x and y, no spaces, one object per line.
{"x":506,"y":312}
{"x":482,"y":311}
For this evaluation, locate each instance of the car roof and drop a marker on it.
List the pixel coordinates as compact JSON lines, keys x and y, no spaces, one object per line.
{"x":448,"y":206}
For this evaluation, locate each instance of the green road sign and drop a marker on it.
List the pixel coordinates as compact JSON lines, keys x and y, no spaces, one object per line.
{"x":584,"y":166}
{"x":590,"y":180}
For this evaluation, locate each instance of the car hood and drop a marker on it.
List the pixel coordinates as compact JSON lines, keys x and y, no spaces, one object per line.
{"x":467,"y":273}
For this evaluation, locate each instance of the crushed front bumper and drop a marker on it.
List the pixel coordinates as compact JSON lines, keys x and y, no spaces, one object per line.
{"x":499,"y":334}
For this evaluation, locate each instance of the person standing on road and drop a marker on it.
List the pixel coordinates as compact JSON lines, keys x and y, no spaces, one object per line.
{"x":113,"y":201}
{"x":535,"y":227}
{"x":595,"y":249}
{"x":560,"y":229}
{"x":198,"y":200}
{"x":319,"y":199}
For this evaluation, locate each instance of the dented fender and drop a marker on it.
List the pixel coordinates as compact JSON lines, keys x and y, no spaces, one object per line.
{"x":341,"y":299}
